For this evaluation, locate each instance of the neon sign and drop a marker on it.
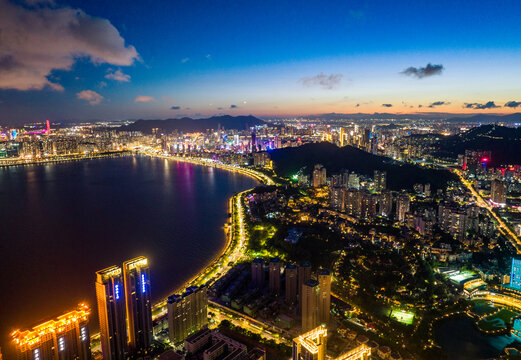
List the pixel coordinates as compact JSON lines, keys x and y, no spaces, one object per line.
{"x":116,"y":291}
{"x":143,"y":282}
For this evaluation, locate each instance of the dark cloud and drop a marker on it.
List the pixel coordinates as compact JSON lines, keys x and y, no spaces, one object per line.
{"x":322,"y":80}
{"x":176,"y":107}
{"x":439,"y":103}
{"x":478,"y":106}
{"x":357,"y":105}
{"x":219,"y":108}
{"x":421,"y":72}
{"x":420,"y":106}
{"x":513,"y":104}
{"x":233,"y":107}
{"x":387,"y":105}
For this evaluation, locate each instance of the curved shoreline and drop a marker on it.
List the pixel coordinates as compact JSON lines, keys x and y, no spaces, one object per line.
{"x":228,"y":249}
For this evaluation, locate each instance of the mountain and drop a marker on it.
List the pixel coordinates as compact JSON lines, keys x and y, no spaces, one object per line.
{"x":488,"y":118}
{"x":504,"y":143}
{"x":288,"y":161}
{"x":187,"y":124}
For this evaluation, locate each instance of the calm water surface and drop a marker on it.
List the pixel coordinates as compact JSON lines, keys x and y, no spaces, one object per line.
{"x":59,"y":223}
{"x":462,"y":341}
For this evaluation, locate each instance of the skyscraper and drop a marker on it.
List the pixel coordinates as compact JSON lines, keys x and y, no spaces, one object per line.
{"x":498,"y":192}
{"x":515,"y":274}
{"x":380,"y":180}
{"x":275,"y":275}
{"x":311,"y":345}
{"x":324,"y":280}
{"x":353,"y":181}
{"x":138,"y":304}
{"x":403,"y":204}
{"x":257,"y":272}
{"x":304,"y":274}
{"x":110,"y":297}
{"x":66,"y":337}
{"x":310,"y":305}
{"x":187,"y":313}
{"x":291,"y":283}
{"x":319,"y":176}
{"x":337,"y":198}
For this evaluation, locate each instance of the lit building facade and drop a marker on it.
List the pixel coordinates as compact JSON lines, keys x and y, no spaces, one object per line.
{"x":187,"y":313}
{"x":324,"y":280}
{"x":515,"y":274}
{"x":66,"y":337}
{"x":311,"y":346}
{"x":139,"y":307}
{"x":110,"y":295}
{"x":257,"y":272}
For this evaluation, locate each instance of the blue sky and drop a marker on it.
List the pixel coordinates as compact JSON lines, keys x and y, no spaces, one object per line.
{"x":264,"y":57}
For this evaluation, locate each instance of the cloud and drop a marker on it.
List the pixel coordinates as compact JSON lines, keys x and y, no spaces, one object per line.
{"x":185,"y":60}
{"x":439,"y":103}
{"x":219,"y":108}
{"x":322,"y":80}
{"x":357,"y":105}
{"x":91,"y":96}
{"x":488,"y":105}
{"x":513,"y":104}
{"x":144,"y":98}
{"x":117,"y":76}
{"x":102,"y":84}
{"x":36,"y":41}
{"x":208,"y":56}
{"x":176,"y":107}
{"x":387,"y":105}
{"x":234,"y":107}
{"x":421,"y":72}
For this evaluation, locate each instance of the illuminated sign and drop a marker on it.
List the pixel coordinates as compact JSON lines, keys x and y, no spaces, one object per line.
{"x":143,"y":282}
{"x":61,"y":344}
{"x":116,"y":291}
{"x":83,"y":333}
{"x":36,"y":354}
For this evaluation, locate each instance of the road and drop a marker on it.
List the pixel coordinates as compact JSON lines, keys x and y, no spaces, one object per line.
{"x":502,"y":226}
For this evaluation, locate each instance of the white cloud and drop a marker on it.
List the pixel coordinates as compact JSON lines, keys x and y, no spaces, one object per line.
{"x":185,"y":60}
{"x":91,"y":96}
{"x":143,"y":98}
{"x":36,"y":41}
{"x":117,"y":75}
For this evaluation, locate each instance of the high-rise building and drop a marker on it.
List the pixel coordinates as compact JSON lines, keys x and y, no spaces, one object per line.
{"x":311,"y":345}
{"x":403,"y":204}
{"x":304,"y":274}
{"x":66,"y":337}
{"x":324,"y":306}
{"x":310,"y":305}
{"x":319,"y":176}
{"x":110,"y":295}
{"x":337,"y":198}
{"x":380,"y":180}
{"x":515,"y":274}
{"x":187,"y":313}
{"x":291,"y":283}
{"x":385,"y":203}
{"x":353,"y":181}
{"x":139,"y":307}
{"x":257,"y":272}
{"x":498,"y":193}
{"x":275,"y":266}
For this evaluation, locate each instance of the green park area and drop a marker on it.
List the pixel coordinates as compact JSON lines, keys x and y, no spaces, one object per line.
{"x":403,"y":316}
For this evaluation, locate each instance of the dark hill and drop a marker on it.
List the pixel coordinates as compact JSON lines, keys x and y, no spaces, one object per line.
{"x":187,"y":124}
{"x":504,"y":143}
{"x":288,"y":161}
{"x":488,"y":118}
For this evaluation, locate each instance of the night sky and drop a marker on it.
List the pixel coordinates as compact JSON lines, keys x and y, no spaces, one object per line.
{"x":113,"y":60}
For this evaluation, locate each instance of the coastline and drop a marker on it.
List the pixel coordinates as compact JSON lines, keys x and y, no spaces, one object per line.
{"x":230,"y":248}
{"x":63,"y":158}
